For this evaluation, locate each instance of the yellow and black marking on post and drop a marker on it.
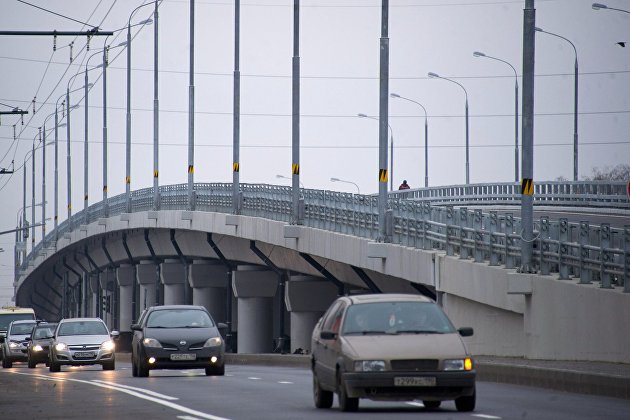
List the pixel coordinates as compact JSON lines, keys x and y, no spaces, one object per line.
{"x":104,"y":188}
{"x":382,"y":175}
{"x":127,"y":180}
{"x":527,"y":186}
{"x":156,"y":173}
{"x":69,"y":206}
{"x":191,"y":169}
{"x":85,"y":197}
{"x":295,"y":169}
{"x":236,"y":166}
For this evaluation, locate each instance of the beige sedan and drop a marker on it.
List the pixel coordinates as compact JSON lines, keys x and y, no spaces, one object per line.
{"x":394,"y":347}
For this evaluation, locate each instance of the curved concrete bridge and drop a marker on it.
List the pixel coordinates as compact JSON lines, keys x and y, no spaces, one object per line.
{"x":271,"y":280}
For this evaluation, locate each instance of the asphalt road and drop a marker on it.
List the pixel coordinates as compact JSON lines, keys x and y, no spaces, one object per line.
{"x":255,"y":392}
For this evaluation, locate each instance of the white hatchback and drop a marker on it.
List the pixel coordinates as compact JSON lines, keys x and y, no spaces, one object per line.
{"x":82,"y":341}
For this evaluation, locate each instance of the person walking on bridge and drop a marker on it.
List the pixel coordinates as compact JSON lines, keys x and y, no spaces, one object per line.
{"x":404,"y":185}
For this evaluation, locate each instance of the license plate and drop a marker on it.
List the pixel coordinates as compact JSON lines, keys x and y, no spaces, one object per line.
{"x":415,"y":381}
{"x":184,"y":356}
{"x":83,"y":354}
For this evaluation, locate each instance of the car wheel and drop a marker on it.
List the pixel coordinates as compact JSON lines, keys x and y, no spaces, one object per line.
{"x":31,"y":363}
{"x":322,"y":398}
{"x":134,"y":367}
{"x":215,"y":371}
{"x":466,"y":403}
{"x":345,"y":403}
{"x":54,"y":367}
{"x":109,"y":365}
{"x":6,"y":363}
{"x":431,"y":404}
{"x":143,"y":369}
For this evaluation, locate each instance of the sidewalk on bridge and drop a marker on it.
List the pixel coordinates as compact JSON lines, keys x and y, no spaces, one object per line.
{"x":597,"y":378}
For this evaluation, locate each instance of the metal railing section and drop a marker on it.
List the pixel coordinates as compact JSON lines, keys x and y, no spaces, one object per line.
{"x":592,"y":253}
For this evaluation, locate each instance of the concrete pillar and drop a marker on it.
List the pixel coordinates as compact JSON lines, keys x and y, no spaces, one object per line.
{"x":208,"y":281}
{"x":147,"y":278}
{"x":307,"y":298}
{"x":107,"y":288}
{"x":125,"y":277}
{"x":94,"y":288}
{"x":173,"y":277}
{"x":254,"y":288}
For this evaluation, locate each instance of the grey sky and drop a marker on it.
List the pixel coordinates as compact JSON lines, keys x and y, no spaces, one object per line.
{"x":339,"y":53}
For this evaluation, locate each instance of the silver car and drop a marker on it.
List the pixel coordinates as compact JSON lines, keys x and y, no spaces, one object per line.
{"x":82,"y":341}
{"x":14,"y":347}
{"x":390,"y":347}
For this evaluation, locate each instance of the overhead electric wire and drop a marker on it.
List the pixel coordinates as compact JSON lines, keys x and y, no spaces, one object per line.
{"x":58,"y":14}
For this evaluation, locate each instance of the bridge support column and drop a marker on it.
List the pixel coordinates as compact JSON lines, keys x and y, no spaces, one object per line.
{"x":209,"y":287}
{"x":125,"y":277}
{"x":173,"y":276}
{"x":147,"y":276}
{"x":307,"y":298}
{"x":107,"y":296}
{"x":94,"y":287}
{"x":254,"y":288}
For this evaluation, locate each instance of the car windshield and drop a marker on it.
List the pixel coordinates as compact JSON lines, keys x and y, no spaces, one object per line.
{"x":22,"y":329}
{"x":179,"y":318}
{"x":396,"y":318}
{"x":6,"y":319}
{"x":82,"y":328}
{"x":43,"y":332}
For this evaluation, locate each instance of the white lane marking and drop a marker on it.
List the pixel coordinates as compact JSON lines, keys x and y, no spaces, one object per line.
{"x":228,"y":374}
{"x":285,"y":382}
{"x":187,"y":418}
{"x":485,"y":416}
{"x":146,"y":391}
{"x":415,"y":404}
{"x":253,"y":378}
{"x":174,"y":406}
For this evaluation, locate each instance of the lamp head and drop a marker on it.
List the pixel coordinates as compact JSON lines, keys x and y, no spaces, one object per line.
{"x":537,"y":29}
{"x":334,"y":179}
{"x":146,"y":22}
{"x":122,"y":44}
{"x":394,"y":95}
{"x":361,"y":115}
{"x":597,"y":6}
{"x":431,"y":74}
{"x":478,"y":54}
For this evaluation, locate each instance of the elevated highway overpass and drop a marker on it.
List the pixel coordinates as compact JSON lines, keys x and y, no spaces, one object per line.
{"x":271,"y":280}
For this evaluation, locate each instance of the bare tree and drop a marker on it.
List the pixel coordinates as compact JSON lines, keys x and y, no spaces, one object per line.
{"x":620,"y":172}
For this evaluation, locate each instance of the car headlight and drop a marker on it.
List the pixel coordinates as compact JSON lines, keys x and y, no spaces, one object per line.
{"x":37,"y":347}
{"x":14,"y":345}
{"x":459,"y":364}
{"x":213,"y":342}
{"x":107,"y":345}
{"x":369,"y":365}
{"x":61,"y":346}
{"x":151,"y":342}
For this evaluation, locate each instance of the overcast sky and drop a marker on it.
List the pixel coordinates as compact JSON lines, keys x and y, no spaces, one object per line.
{"x":339,"y":50}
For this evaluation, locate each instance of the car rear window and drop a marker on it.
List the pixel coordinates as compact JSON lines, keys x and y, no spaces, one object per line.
{"x":43,"y":332}
{"x":82,"y":328}
{"x":396,"y":318}
{"x":179,"y":318}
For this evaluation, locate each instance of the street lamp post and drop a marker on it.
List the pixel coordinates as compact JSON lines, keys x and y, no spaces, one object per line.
{"x":333,"y":179}
{"x":480,"y":54}
{"x":575,"y":103}
{"x":426,"y":137}
{"x":128,"y":115}
{"x":391,"y":149}
{"x":290,"y":179}
{"x":467,"y":143}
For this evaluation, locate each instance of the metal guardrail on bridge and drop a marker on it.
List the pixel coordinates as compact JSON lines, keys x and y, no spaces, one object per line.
{"x":592,"y":253}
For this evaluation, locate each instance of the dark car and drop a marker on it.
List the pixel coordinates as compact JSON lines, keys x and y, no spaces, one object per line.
{"x":390,"y":347}
{"x":177,"y":337}
{"x":39,"y":343}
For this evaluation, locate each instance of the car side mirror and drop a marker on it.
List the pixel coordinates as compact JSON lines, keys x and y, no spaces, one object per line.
{"x":222,"y":326}
{"x":28,"y":339}
{"x":327,"y":335}
{"x":136,"y":327}
{"x":114,"y":334}
{"x":465,"y":331}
